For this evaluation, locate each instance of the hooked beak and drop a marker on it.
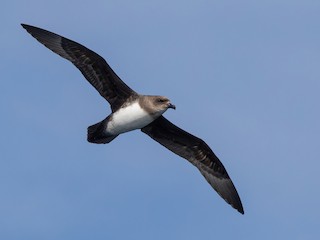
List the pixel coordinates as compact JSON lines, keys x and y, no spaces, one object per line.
{"x":172,"y":106}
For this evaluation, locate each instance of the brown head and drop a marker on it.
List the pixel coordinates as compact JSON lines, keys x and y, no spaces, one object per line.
{"x":156,"y":105}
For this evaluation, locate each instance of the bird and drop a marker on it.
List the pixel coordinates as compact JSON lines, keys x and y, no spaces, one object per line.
{"x":131,"y":111}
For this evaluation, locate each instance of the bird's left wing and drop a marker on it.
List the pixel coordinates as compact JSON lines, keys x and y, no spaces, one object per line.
{"x":94,"y":68}
{"x":199,"y":154}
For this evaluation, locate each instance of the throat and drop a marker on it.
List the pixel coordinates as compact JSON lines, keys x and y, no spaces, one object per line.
{"x":127,"y":119}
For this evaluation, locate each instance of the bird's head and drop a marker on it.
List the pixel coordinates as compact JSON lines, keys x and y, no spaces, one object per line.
{"x":157,"y":105}
{"x":162,"y":103}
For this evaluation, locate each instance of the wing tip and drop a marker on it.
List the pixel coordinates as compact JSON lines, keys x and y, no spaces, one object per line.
{"x":30,"y":29}
{"x":235,"y":202}
{"x":239,"y":208}
{"x":26,"y":26}
{"x":226,"y":190}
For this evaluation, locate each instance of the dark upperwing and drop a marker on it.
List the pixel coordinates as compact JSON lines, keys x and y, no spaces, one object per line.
{"x":94,"y":68}
{"x":199,"y":154}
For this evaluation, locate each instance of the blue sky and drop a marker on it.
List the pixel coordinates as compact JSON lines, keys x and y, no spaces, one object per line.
{"x":244,"y":76}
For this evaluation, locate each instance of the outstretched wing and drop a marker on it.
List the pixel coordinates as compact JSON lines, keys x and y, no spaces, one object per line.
{"x":94,"y":68}
{"x":199,"y":154}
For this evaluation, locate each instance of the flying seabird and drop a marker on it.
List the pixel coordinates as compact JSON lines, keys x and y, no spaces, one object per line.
{"x":131,"y":111}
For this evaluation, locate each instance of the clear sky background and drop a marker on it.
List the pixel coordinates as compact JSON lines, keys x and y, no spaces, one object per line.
{"x":245,"y":77}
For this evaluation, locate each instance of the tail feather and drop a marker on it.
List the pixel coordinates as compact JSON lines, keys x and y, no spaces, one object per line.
{"x":96,"y":133}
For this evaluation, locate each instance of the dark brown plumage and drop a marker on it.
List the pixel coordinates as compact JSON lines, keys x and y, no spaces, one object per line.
{"x":197,"y":152}
{"x":93,"y":67}
{"x":99,"y":74}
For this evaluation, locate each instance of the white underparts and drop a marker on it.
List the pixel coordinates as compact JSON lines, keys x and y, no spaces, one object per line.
{"x":127,"y":119}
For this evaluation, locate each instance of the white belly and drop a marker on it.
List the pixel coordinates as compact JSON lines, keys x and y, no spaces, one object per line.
{"x":127,"y":119}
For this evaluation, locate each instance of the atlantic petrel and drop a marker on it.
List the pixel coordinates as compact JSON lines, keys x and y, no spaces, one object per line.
{"x":131,"y":111}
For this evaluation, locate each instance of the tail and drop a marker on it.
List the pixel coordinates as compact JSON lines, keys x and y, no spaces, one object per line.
{"x":96,"y":133}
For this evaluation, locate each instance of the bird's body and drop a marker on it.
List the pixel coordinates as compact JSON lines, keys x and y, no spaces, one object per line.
{"x":131,"y":111}
{"x":128,"y":118}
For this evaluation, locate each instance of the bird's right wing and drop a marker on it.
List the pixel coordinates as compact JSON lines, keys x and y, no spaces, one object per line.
{"x":198,"y":153}
{"x":94,"y":68}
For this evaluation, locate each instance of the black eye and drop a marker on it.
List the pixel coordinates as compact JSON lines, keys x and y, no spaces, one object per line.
{"x":160,"y":100}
